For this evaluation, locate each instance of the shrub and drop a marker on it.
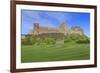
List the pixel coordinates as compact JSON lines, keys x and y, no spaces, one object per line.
{"x":32,"y":40}
{"x":83,"y":41}
{"x":26,"y":41}
{"x":39,"y":40}
{"x":74,"y":36}
{"x":67,"y":40}
{"x":49,"y":41}
{"x":29,"y":40}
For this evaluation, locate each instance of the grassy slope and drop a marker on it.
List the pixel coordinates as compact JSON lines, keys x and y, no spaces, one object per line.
{"x":68,"y":51}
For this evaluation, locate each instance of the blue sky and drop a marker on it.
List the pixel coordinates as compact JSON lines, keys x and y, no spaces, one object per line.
{"x":54,"y":19}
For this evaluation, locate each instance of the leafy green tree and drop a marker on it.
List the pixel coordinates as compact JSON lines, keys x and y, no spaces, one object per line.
{"x":33,"y":40}
{"x":67,"y":39}
{"x":26,"y":41}
{"x":83,"y":39}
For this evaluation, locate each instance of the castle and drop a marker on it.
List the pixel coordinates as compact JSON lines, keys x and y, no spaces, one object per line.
{"x":63,"y":28}
{"x":58,"y":32}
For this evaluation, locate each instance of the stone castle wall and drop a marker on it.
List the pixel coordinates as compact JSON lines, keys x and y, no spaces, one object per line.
{"x":63,"y":28}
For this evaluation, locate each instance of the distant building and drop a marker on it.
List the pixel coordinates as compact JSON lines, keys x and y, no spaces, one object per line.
{"x":63,"y":28}
{"x":59,"y":31}
{"x":40,"y":29}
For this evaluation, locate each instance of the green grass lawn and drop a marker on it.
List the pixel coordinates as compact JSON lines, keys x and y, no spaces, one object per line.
{"x":57,"y":52}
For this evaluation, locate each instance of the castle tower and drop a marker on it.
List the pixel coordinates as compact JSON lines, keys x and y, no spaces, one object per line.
{"x":36,"y":28}
{"x":64,"y":28}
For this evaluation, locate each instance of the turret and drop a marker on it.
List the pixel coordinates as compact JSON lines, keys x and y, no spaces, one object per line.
{"x":63,"y":28}
{"x":36,"y":28}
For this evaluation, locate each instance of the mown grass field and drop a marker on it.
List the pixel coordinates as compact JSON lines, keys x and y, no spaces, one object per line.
{"x":57,"y":52}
